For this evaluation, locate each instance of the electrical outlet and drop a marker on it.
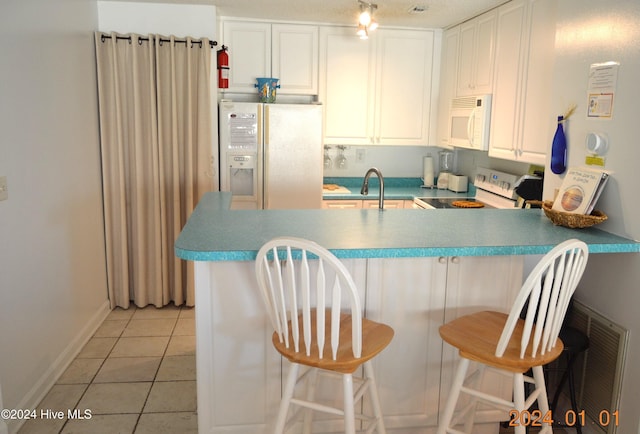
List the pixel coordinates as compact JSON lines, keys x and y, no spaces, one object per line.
{"x":360,"y":155}
{"x":4,"y":190}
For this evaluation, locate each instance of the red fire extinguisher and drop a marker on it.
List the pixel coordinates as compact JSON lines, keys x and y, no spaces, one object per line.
{"x":223,"y":68}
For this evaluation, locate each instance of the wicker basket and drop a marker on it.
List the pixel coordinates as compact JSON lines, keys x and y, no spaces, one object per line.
{"x":570,"y":220}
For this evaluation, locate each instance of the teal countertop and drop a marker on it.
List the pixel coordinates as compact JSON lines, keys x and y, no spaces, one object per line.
{"x":394,"y":188}
{"x":215,"y":233}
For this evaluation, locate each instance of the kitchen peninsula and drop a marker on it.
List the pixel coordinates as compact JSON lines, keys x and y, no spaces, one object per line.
{"x":416,"y":269}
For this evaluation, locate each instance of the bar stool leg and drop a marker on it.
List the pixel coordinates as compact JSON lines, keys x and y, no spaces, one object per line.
{"x":568,"y":376}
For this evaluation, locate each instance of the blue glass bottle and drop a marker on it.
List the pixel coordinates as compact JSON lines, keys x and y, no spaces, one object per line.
{"x":559,"y":149}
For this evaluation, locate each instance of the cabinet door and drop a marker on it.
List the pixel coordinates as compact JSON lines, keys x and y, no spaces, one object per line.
{"x":295,"y":58}
{"x":523,"y":79}
{"x":448,"y":81}
{"x":249,"y":53}
{"x":408,"y":295}
{"x":506,"y":104}
{"x":466,"y":52}
{"x":239,"y":388}
{"x":341,"y":204}
{"x":388,"y":204}
{"x":537,"y":130}
{"x":403,"y":87}
{"x":346,"y":86}
{"x":485,"y":52}
{"x":476,"y":55}
{"x":475,"y":284}
{"x":408,"y":204}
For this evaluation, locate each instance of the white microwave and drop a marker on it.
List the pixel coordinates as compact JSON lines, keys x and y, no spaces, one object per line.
{"x":469,"y":122}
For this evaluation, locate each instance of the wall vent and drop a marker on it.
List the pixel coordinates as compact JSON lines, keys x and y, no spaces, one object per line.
{"x":599,"y":375}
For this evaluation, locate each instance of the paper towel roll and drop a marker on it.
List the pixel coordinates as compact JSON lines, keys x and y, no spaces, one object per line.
{"x":428,"y":176}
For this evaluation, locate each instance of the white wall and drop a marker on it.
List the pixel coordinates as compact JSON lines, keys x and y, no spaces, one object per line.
{"x":198,"y":21}
{"x":53,"y":291}
{"x":393,"y":161}
{"x":592,"y":31}
{"x":406,"y":161}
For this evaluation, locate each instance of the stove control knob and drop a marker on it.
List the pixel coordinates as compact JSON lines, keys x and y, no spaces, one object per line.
{"x":481,"y":178}
{"x":505,"y":185}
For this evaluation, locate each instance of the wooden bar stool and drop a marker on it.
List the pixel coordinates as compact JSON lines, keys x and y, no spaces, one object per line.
{"x":304,"y":288}
{"x":513,"y":346}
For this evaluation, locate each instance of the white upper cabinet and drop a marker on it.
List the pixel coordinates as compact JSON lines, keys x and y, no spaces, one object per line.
{"x":249,"y":53}
{"x":295,"y":58}
{"x":403,"y":87}
{"x":288,"y":52}
{"x":347,"y":76}
{"x":521,"y":122}
{"x":376,"y":91}
{"x":448,"y":81}
{"x":476,"y":53}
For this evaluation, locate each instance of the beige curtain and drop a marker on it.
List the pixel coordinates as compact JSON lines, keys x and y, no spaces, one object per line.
{"x":156,"y":140}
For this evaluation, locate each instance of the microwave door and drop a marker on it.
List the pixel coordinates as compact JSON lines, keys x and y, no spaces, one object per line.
{"x":459,"y":125}
{"x":471,"y":127}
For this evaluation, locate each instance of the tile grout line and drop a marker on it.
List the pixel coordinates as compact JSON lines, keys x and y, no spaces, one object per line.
{"x":91,"y":380}
{"x":93,"y":377}
{"x":164,"y":353}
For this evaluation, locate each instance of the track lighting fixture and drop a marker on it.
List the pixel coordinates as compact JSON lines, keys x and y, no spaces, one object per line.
{"x":366,"y":22}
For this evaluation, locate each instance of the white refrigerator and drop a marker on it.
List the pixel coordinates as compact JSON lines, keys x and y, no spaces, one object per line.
{"x":271,"y":155}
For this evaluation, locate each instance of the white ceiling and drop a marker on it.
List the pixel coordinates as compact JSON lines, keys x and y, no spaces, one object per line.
{"x":439,"y":13}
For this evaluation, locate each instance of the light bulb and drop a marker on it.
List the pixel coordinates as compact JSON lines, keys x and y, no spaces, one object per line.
{"x":362,"y":31}
{"x":373,"y":25}
{"x":365,"y":18}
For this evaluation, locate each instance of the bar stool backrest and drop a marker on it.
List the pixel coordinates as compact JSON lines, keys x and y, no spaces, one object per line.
{"x":295,"y":276}
{"x":546,"y":294}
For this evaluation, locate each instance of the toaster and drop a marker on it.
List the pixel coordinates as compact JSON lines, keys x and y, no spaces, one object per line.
{"x":458,"y":183}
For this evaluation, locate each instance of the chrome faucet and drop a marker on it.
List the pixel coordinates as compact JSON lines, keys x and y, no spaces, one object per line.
{"x":365,"y":185}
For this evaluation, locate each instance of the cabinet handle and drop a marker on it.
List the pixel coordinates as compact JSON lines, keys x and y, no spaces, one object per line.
{"x":455,"y":260}
{"x":442,"y":260}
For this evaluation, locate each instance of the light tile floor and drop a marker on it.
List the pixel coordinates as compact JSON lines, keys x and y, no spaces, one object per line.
{"x":137,"y":374}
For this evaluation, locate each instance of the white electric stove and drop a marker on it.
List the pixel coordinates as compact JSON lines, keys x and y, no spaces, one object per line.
{"x":494,"y":189}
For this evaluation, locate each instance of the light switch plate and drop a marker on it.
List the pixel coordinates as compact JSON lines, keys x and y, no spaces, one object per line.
{"x":4,"y":190}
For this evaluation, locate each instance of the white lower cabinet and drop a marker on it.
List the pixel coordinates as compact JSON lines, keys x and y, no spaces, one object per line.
{"x":475,"y":284}
{"x":342,"y":204}
{"x":367,"y":204}
{"x":240,"y":375}
{"x":407,"y":294}
{"x":388,"y":204}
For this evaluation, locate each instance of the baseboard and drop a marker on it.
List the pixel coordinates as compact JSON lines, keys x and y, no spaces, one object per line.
{"x":57,"y":368}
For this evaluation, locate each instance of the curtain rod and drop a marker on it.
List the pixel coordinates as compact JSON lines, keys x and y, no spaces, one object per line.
{"x":183,"y":41}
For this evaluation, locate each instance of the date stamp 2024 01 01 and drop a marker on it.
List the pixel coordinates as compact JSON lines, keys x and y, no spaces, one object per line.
{"x":570,"y":418}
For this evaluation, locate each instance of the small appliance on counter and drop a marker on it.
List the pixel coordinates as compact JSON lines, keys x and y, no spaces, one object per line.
{"x":446,"y":166}
{"x":427,"y":168}
{"x":458,"y":183}
{"x":529,"y":187}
